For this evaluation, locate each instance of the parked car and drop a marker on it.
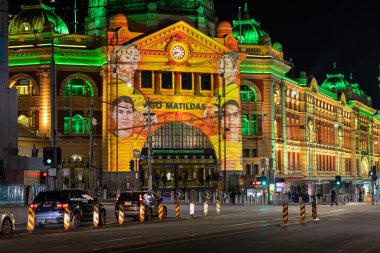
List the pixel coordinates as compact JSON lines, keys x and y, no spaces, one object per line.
{"x":49,"y":207}
{"x":7,"y":222}
{"x":132,"y":201}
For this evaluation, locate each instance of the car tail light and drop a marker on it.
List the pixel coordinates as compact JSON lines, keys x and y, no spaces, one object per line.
{"x":117,"y":197}
{"x":140,"y":197}
{"x":33,"y":206}
{"x":62,"y":205}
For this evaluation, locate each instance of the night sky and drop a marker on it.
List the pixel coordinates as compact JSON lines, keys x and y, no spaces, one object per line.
{"x":315,"y":34}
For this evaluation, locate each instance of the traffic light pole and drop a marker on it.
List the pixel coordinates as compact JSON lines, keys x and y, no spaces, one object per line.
{"x":53,"y":105}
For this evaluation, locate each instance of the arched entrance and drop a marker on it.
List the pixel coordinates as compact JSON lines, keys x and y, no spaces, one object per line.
{"x":182,"y":156}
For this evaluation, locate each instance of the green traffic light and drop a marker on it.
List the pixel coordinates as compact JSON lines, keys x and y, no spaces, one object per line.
{"x":48,"y":161}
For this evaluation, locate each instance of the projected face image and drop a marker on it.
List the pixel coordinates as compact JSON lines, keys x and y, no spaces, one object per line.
{"x":232,"y":120}
{"x":227,"y":67}
{"x":126,"y":60}
{"x":123,"y":114}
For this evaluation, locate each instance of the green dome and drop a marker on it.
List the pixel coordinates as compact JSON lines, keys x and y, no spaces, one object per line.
{"x":335,"y":82}
{"x":247,"y":30}
{"x":34,"y":18}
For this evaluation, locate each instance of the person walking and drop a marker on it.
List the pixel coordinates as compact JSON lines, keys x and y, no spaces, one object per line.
{"x":164,"y":178}
{"x":333,"y":195}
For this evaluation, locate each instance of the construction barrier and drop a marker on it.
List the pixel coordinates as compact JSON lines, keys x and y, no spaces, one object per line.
{"x":205,"y":208}
{"x":314,"y":210}
{"x":302,"y":211}
{"x":66,"y":218}
{"x":285,"y":213}
{"x":121,"y":214}
{"x":142,"y":213}
{"x":31,"y":219}
{"x":96,"y":216}
{"x":177,"y":212}
{"x":218,"y":206}
{"x":192,"y":209}
{"x":160,"y":212}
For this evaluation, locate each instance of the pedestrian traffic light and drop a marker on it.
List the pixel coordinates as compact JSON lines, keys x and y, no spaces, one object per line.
{"x":338,"y":180}
{"x":141,"y":164}
{"x":131,"y":165}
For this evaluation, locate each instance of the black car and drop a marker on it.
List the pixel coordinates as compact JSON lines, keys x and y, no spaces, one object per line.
{"x":49,"y":207}
{"x":132,"y":201}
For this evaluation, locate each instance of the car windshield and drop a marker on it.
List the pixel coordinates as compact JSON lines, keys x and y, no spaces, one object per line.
{"x":52,"y":196}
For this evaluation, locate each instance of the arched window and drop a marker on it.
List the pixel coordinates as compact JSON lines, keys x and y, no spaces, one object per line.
{"x":249,"y":125}
{"x":24,"y":88}
{"x":78,"y":88}
{"x":247,"y":94}
{"x":78,"y":123}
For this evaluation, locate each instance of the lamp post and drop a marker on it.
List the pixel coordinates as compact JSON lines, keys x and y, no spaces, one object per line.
{"x":149,"y":114}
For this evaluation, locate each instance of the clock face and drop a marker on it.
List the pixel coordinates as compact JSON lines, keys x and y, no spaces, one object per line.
{"x":178,"y":52}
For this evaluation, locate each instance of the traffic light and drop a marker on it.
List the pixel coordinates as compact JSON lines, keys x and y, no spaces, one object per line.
{"x":141,"y":164}
{"x":43,"y":176}
{"x":48,"y":156}
{"x":338,"y":180}
{"x":263,"y":180}
{"x":372,"y":173}
{"x":131,"y":165}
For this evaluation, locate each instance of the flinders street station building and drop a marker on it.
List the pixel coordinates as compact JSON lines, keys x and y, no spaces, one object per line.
{"x":164,"y":89}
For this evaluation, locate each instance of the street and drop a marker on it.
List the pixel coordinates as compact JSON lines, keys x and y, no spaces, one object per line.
{"x":345,"y":228}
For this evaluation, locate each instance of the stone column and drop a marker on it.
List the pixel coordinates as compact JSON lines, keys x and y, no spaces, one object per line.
{"x":45,"y":103}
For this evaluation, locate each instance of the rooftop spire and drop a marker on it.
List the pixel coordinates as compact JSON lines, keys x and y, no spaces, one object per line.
{"x":246,"y":12}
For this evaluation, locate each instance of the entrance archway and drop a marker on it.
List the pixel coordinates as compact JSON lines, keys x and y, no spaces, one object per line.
{"x":183,"y":155}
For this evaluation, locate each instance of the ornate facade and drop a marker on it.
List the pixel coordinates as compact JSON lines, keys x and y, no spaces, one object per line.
{"x":216,"y":99}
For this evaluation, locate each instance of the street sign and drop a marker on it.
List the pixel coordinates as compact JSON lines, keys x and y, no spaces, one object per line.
{"x":179,"y":194}
{"x":225,"y":195}
{"x":193,"y":195}
{"x":207,"y":194}
{"x":52,"y":172}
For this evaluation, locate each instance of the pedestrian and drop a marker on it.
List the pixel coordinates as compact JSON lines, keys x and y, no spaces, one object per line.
{"x":289,"y":195}
{"x":157,"y":178}
{"x":333,"y":195}
{"x":208,"y":179}
{"x":164,"y":178}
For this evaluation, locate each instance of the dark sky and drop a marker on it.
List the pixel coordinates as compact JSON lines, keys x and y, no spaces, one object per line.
{"x":315,"y":34}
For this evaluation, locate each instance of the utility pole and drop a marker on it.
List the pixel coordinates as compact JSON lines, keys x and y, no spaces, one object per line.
{"x":219,"y":140}
{"x":53,"y":103}
{"x":150,"y":185}
{"x":91,"y":176}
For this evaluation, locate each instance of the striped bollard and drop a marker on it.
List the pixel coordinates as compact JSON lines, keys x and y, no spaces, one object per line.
{"x":314,"y":210}
{"x":142,"y":213}
{"x":31,"y":219}
{"x":177,"y":212}
{"x":96,"y":216}
{"x":66,"y":218}
{"x":160,"y":212}
{"x":192,"y":209}
{"x":205,"y":207}
{"x":303,"y":212}
{"x":285,"y":213}
{"x":121,"y":214}
{"x":218,"y":206}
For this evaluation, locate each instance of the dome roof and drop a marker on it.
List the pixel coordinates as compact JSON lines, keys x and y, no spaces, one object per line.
{"x":118,"y":20}
{"x":247,"y":30}
{"x":34,"y":18}
{"x":224,"y":28}
{"x":335,"y":82}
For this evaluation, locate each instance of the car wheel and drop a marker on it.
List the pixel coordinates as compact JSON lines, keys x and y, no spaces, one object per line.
{"x":148,"y":215}
{"x":102,"y":218}
{"x":6,"y":228}
{"x":75,"y":221}
{"x":41,"y":225}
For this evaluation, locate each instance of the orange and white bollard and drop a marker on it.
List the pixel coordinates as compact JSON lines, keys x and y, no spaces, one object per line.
{"x":218,"y":206}
{"x":142,"y":213}
{"x":177,"y":211}
{"x":192,"y":209}
{"x":96,"y":216}
{"x":66,"y":218}
{"x":121,"y":214}
{"x":31,"y":219}
{"x":160,"y":212}
{"x":205,"y":208}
